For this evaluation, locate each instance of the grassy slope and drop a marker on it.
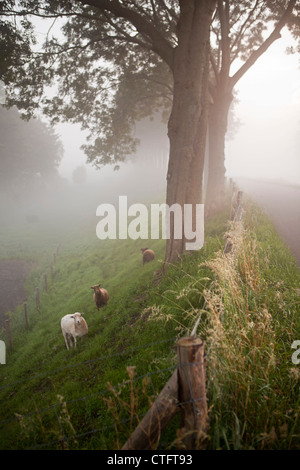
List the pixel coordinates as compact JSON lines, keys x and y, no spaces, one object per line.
{"x":117,"y":339}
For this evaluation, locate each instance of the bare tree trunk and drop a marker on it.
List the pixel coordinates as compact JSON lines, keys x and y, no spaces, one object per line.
{"x":188,"y":122}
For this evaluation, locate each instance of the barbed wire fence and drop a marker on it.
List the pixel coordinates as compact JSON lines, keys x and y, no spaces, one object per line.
{"x":115,"y":414}
{"x":31,"y":306}
{"x":63,"y":414}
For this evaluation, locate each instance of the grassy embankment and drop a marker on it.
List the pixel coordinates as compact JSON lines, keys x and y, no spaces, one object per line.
{"x":65,"y":399}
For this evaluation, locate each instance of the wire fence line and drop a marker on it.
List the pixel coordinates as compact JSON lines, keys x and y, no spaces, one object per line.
{"x":236,"y":212}
{"x":91,"y":410}
{"x":84,"y":363}
{"x":90,"y":425}
{"x":93,"y":395}
{"x":64,"y":411}
{"x":32,"y":302}
{"x":96,"y":420}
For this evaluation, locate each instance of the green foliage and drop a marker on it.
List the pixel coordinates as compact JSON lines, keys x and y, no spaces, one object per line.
{"x":93,"y":396}
{"x":15,"y":44}
{"x":120,"y":335}
{"x":106,"y":76}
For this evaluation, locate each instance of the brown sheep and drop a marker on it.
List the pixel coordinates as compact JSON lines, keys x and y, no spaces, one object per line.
{"x":148,"y":255}
{"x":101,"y":296}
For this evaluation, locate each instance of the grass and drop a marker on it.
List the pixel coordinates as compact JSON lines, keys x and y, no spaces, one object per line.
{"x":91,"y":397}
{"x":253,"y":320}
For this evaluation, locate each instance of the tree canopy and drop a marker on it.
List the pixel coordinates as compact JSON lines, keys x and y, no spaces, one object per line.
{"x":241,"y":33}
{"x":113,"y":62}
{"x":104,"y":72}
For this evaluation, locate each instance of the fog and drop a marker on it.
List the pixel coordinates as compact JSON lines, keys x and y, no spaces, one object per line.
{"x":267,"y":143}
{"x":265,"y":146}
{"x":65,"y":202}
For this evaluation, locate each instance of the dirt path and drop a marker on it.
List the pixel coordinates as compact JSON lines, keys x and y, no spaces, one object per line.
{"x":282,"y":204}
{"x":13,"y":275}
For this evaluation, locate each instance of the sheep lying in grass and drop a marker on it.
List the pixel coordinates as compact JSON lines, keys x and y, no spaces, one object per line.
{"x":73,"y":325}
{"x":148,"y":255}
{"x":100,"y":296}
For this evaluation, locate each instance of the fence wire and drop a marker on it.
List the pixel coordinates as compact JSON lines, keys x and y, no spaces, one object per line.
{"x":38,"y":422}
{"x":106,"y":415}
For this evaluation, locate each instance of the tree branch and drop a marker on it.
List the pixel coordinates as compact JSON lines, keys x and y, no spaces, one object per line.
{"x":266,"y":44}
{"x":243,"y":26}
{"x":125,"y":36}
{"x":225,"y":41}
{"x":214,"y":67}
{"x":160,"y":44}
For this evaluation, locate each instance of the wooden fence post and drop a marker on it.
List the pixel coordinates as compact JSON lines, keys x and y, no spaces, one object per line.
{"x":45,"y":282}
{"x":7,"y":324}
{"x":25,"y":314}
{"x":37,"y":298}
{"x":192,"y":391}
{"x":186,"y":390}
{"x":147,"y":433}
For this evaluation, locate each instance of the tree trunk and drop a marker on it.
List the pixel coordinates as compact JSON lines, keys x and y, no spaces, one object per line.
{"x":188,"y":122}
{"x":215,"y":195}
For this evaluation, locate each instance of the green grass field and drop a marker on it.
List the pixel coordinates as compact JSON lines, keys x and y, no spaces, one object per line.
{"x":91,"y":397}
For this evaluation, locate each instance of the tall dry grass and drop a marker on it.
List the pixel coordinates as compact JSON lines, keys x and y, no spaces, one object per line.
{"x":248,"y":315}
{"x":248,"y":402}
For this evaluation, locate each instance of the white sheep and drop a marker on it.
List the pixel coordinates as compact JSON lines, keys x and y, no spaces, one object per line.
{"x":73,"y":325}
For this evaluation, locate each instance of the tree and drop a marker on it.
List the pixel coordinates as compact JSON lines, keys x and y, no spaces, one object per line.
{"x":79,"y":175}
{"x":14,"y":44}
{"x":106,"y":40}
{"x":30,"y":153}
{"x":238,"y":29}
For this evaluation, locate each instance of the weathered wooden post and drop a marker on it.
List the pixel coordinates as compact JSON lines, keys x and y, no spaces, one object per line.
{"x":185,"y":391}
{"x":148,"y":432}
{"x":37,"y":298}
{"x":45,"y":282}
{"x":25,"y":314}
{"x":192,"y":391}
{"x":7,"y":325}
{"x":239,"y":207}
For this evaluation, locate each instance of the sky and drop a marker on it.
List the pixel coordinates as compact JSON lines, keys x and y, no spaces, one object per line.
{"x":267,"y":144}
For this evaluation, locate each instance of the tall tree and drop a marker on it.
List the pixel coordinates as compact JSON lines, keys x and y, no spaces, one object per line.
{"x":237,"y":31}
{"x":30,"y":153}
{"x":107,"y":39}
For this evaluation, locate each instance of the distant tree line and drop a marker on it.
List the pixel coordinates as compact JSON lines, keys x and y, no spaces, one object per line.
{"x":116,"y":62}
{"x":30,"y":153}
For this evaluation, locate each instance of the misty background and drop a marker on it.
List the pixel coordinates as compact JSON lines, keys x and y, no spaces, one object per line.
{"x":263,"y":144}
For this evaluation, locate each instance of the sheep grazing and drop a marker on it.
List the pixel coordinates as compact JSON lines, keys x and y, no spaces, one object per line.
{"x":73,"y":325}
{"x":101,"y":296}
{"x":148,"y":255}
